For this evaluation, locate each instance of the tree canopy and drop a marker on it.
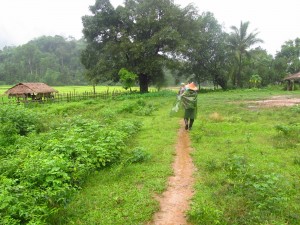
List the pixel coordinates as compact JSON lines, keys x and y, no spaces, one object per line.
{"x":240,"y":42}
{"x":156,"y":40}
{"x":141,"y":36}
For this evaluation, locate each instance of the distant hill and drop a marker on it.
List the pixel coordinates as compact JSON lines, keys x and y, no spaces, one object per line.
{"x":52,"y":60}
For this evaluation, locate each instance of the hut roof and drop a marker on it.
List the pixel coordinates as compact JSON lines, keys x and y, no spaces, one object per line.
{"x":30,"y":88}
{"x":295,"y":76}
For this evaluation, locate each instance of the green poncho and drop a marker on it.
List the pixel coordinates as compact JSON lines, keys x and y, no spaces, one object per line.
{"x":189,"y":103}
{"x":186,"y":105}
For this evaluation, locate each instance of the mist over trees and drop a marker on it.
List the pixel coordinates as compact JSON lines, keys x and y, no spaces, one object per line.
{"x":53,"y":60}
{"x":160,"y":42}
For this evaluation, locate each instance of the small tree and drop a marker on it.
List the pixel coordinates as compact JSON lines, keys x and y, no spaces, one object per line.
{"x":255,"y":80}
{"x":127,"y":78}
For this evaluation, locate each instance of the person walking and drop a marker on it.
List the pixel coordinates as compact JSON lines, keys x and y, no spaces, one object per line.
{"x":189,"y":103}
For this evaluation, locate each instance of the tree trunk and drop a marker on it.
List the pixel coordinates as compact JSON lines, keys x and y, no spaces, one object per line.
{"x":239,"y":77}
{"x":144,"y":82}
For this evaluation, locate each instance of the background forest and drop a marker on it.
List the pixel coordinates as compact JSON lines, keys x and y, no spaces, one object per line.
{"x":53,"y":60}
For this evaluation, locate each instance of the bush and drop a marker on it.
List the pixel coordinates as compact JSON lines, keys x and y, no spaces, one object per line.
{"x":24,"y":120}
{"x":47,"y":168}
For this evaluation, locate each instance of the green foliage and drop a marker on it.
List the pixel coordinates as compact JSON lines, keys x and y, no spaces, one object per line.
{"x":8,"y":133}
{"x":17,"y":120}
{"x":144,"y":48}
{"x":206,"y":214}
{"x":139,"y":108}
{"x":263,"y":191}
{"x":247,"y":162}
{"x":24,"y":120}
{"x":287,"y":59}
{"x":255,"y":80}
{"x":288,"y":135}
{"x":54,"y":60}
{"x":45,"y":169}
{"x":138,"y":155}
{"x":124,"y":192}
{"x":127,"y":78}
{"x":239,"y":42}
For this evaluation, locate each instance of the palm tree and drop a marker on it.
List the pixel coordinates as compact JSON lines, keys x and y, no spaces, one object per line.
{"x":239,"y":41}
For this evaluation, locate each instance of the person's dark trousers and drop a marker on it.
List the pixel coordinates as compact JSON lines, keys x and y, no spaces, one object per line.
{"x":191,"y":123}
{"x":186,"y":122}
{"x":188,"y":125}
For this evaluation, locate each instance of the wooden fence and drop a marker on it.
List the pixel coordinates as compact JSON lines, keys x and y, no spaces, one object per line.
{"x":64,"y":97}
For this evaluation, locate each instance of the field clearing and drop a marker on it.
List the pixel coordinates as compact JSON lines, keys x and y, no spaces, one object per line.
{"x":78,"y":89}
{"x":78,"y":92}
{"x":246,"y":151}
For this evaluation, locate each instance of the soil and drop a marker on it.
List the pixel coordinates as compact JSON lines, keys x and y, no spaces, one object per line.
{"x":174,"y":202}
{"x":277,"y":101}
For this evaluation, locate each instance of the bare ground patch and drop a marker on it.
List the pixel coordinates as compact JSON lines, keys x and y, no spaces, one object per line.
{"x":276,"y":101}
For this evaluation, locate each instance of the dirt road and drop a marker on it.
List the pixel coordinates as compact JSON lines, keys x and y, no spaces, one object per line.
{"x":174,"y":202}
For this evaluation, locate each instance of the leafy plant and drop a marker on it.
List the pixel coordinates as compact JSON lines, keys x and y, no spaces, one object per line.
{"x":127,"y":78}
{"x":47,"y":168}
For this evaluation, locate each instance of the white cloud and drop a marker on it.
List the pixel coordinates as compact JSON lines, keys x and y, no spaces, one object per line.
{"x":276,"y":21}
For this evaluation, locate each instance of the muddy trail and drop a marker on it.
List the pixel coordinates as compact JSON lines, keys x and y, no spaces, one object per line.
{"x":174,"y":202}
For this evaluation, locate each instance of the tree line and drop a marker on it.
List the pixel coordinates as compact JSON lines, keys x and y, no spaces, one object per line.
{"x":151,"y":39}
{"x":53,"y":60}
{"x":149,"y":36}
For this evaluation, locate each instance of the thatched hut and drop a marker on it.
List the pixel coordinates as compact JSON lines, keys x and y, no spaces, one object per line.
{"x":292,"y":79}
{"x":35,"y":91}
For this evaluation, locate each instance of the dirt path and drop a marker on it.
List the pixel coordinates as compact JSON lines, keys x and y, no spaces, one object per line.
{"x":174,"y":202}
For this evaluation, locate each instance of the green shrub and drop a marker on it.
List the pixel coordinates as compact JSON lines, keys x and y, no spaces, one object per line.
{"x":46,"y":168}
{"x":138,"y":155}
{"x":24,"y":120}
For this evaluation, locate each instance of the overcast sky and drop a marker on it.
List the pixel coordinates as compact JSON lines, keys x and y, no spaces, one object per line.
{"x":24,"y":20}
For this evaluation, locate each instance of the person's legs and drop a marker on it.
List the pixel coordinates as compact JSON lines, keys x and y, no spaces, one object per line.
{"x":191,"y":123}
{"x":186,"y":122}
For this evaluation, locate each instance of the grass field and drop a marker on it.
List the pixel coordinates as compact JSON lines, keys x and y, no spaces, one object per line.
{"x":247,"y":159}
{"x":78,"y":89}
{"x":247,"y":167}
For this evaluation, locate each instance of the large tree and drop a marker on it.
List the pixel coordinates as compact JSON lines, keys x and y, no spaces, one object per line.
{"x":140,"y":36}
{"x":206,"y":52}
{"x":240,"y":41}
{"x":287,"y":60}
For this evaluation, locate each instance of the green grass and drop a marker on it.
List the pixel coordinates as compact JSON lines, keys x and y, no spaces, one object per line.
{"x":81,"y":89}
{"x":78,"y":89}
{"x":247,"y":171}
{"x":247,"y":160}
{"x":124,"y":194}
{"x":247,"y":168}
